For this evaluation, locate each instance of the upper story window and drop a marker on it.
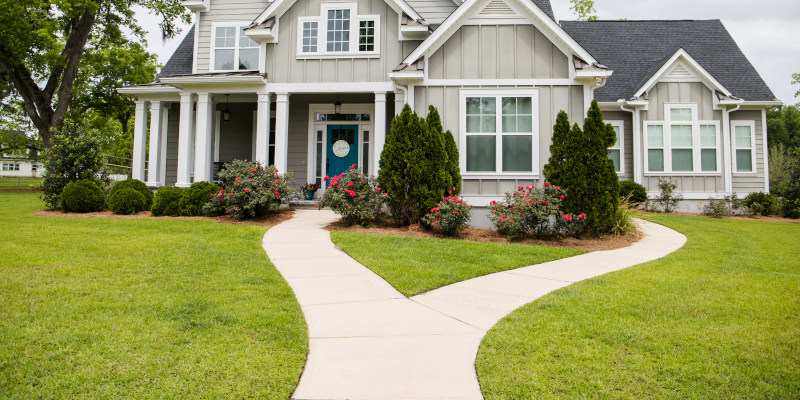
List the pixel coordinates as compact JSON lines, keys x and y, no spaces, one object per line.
{"x":616,"y":152}
{"x":338,"y":31}
{"x":233,"y":50}
{"x":682,"y":144}
{"x":744,"y":146}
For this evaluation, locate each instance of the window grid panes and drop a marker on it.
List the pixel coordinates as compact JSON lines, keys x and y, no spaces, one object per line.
{"x":744,"y":148}
{"x":499,"y":134}
{"x":366,"y":36}
{"x":319,"y":155}
{"x":708,"y":148}
{"x":338,"y":30}
{"x":615,"y":151}
{"x":655,"y":148}
{"x":365,"y":152}
{"x":310,"y":37}
{"x":234,"y":51}
{"x":682,"y":144}
{"x":681,"y":141}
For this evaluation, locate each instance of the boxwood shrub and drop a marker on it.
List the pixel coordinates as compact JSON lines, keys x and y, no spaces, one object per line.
{"x":637,"y":192}
{"x":127,"y":201}
{"x":167,"y":201}
{"x":760,"y":203}
{"x":82,"y":196}
{"x":137,"y":185}
{"x":196,"y":196}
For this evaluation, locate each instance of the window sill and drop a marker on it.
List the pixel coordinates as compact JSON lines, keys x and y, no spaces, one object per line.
{"x":530,"y":176}
{"x":754,"y":173}
{"x":709,"y":174}
{"x":324,"y":56}
{"x":213,"y":71}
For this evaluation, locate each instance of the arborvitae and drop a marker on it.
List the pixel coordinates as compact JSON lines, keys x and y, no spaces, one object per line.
{"x":452,"y":167}
{"x":588,"y":174}
{"x":394,"y":162}
{"x":561,"y":131}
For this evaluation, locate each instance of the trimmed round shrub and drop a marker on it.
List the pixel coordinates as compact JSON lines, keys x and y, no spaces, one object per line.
{"x":126,"y":201}
{"x":196,"y":196}
{"x":167,"y":201}
{"x":760,"y":203}
{"x":82,"y":196}
{"x":637,"y":192}
{"x":136,"y":185}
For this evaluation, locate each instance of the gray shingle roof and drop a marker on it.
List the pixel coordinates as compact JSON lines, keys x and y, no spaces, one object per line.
{"x":546,"y":7}
{"x":635,"y":50}
{"x":181,"y":61}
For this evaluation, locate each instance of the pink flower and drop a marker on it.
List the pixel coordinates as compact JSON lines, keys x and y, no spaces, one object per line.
{"x":246,"y":190}
{"x":434,"y":209}
{"x":455,"y":212}
{"x":582,"y":216}
{"x":350,"y":184}
{"x":568,"y":217}
{"x":326,"y":178}
{"x":562,"y":197}
{"x":547,"y":184}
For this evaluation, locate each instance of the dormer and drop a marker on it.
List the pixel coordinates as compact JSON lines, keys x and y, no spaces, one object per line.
{"x":197,"y":5}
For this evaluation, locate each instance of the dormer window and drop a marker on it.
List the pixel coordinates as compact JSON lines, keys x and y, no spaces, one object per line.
{"x":233,"y":50}
{"x":338,"y":32}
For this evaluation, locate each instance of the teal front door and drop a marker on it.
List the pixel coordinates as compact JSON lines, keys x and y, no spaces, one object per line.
{"x":342,"y":148}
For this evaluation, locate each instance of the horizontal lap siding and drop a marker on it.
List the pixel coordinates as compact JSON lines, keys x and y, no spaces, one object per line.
{"x":283,"y":65}
{"x":223,"y":11}
{"x":173,"y":128}
{"x":753,"y":182}
{"x":627,"y":150}
{"x":433,"y":11}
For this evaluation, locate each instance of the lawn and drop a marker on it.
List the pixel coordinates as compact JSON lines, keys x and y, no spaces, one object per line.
{"x":718,"y":319}
{"x":19,"y":183}
{"x":142,"y":309}
{"x":416,"y":265}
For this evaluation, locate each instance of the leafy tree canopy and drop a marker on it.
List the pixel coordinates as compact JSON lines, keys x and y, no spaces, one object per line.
{"x":783,"y":127}
{"x":584,"y":10}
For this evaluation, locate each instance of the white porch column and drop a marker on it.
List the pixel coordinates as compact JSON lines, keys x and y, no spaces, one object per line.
{"x":204,"y":138}
{"x":380,"y":131}
{"x":139,"y":140}
{"x":153,"y":179}
{"x":162,"y":173}
{"x":282,"y":133}
{"x":262,"y":129}
{"x":186,"y":141}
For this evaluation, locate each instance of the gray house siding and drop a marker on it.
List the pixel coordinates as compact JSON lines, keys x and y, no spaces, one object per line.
{"x":223,"y":11}
{"x":236,"y":135}
{"x":173,"y":127}
{"x":627,"y":139}
{"x":284,"y":67}
{"x":433,"y":11}
{"x":751,"y":182}
{"x":684,"y":92}
{"x":498,"y":52}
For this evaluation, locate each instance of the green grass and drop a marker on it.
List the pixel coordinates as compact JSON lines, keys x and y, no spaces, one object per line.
{"x":718,"y":319}
{"x":19,"y":183}
{"x":416,"y":265}
{"x":142,"y":309}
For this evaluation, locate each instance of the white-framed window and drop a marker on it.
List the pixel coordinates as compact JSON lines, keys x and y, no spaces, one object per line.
{"x":682,"y":144}
{"x":232,"y":50}
{"x":338,"y":31}
{"x":617,"y":152}
{"x":499,"y":132}
{"x":10,"y":167}
{"x":744,"y":146}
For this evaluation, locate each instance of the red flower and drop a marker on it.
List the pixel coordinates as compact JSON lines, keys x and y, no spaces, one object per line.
{"x":562,"y":197}
{"x":582,"y":216}
{"x":326,"y":178}
{"x":455,"y":212}
{"x":568,"y":217}
{"x":547,"y":184}
{"x":350,"y":184}
{"x":434,"y":209}
{"x":246,"y":190}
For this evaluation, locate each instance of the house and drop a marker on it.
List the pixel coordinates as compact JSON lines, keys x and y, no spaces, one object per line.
{"x":311,"y":86}
{"x":19,"y":167}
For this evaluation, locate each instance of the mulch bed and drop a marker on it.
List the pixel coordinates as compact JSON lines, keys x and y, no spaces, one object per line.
{"x":281,"y":215}
{"x":605,"y":242}
{"x":771,"y":218}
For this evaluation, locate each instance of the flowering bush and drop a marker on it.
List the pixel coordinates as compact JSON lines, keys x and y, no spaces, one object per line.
{"x":354,"y":196}
{"x":449,"y":217}
{"x":250,"y":190}
{"x":535,"y":211}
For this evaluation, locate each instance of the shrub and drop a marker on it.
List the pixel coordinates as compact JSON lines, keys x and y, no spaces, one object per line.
{"x":667,"y":198}
{"x":449,"y":217}
{"x":579,"y":161}
{"x":634,"y":192}
{"x":250,"y":190}
{"x":127,"y":201}
{"x":196,"y":196}
{"x":73,"y":155}
{"x":760,"y":203}
{"x":82,"y":196}
{"x":136,"y":185}
{"x":624,"y":219}
{"x":534,"y":211}
{"x":415,"y":168}
{"x":167,"y":201}
{"x":354,"y":196}
{"x":716,"y":208}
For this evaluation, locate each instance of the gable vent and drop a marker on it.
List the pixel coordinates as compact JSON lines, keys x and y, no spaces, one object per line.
{"x":679,"y":72}
{"x":497,"y":7}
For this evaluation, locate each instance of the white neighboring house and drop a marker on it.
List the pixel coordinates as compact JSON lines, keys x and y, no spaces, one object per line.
{"x":19,"y":168}
{"x":282,"y":81}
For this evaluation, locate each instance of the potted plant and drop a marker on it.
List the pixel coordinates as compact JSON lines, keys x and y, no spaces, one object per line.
{"x":310,"y":188}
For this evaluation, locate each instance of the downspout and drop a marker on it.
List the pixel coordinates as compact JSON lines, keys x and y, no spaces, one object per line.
{"x":405,"y":95}
{"x":637,"y":143}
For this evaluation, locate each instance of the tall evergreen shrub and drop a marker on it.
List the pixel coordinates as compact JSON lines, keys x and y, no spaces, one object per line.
{"x":435,"y":124}
{"x":580,"y":164}
{"x":561,"y":131}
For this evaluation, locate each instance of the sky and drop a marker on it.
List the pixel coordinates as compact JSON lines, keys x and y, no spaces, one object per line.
{"x":768,"y":33}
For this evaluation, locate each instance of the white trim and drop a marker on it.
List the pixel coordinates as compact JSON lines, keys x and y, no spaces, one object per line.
{"x":139,"y":141}
{"x":332,"y":87}
{"x":196,"y":42}
{"x":313,"y":125}
{"x":216,"y":80}
{"x":481,"y":201}
{"x":494,"y":82}
{"x":217,"y":133}
{"x":667,"y":147}
{"x":322,"y":37}
{"x":682,"y":56}
{"x":533,"y":93}
{"x":156,"y":90}
{"x":764,"y":149}
{"x":726,"y":151}
{"x":253,"y":136}
{"x":278,"y":7}
{"x":197,"y":5}
{"x":693,"y":195}
{"x":752,"y":125}
{"x":156,"y":135}
{"x":621,"y":125}
{"x":186,"y":140}
{"x":762,"y":103}
{"x":239,"y":26}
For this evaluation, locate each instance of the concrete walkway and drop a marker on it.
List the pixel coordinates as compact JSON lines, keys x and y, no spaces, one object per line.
{"x":368,"y":341}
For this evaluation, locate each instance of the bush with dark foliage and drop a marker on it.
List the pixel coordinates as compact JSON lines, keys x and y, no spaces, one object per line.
{"x":167,"y":201}
{"x":127,"y":201}
{"x":136,"y":185}
{"x":196,"y":196}
{"x":637,"y":192}
{"x":82,"y":196}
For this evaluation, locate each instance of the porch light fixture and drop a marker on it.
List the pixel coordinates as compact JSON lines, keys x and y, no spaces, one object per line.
{"x":337,"y":107}
{"x":226,"y":115}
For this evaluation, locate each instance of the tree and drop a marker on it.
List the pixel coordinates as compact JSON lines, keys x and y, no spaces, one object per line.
{"x":783,"y":127}
{"x":796,"y":81}
{"x":435,"y":124}
{"x":584,"y":10}
{"x":561,"y":131}
{"x":586,"y":172}
{"x":42,"y":44}
{"x":394,"y":162}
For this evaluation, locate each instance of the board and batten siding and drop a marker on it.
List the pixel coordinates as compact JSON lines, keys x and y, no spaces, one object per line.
{"x":684,"y":92}
{"x":498,"y":52}
{"x":749,"y":183}
{"x":552,"y":99}
{"x":173,"y":128}
{"x":222,"y":11}
{"x":283,"y":66}
{"x":627,"y":140}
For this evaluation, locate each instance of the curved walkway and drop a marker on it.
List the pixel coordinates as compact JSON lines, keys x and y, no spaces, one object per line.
{"x":368,"y":341}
